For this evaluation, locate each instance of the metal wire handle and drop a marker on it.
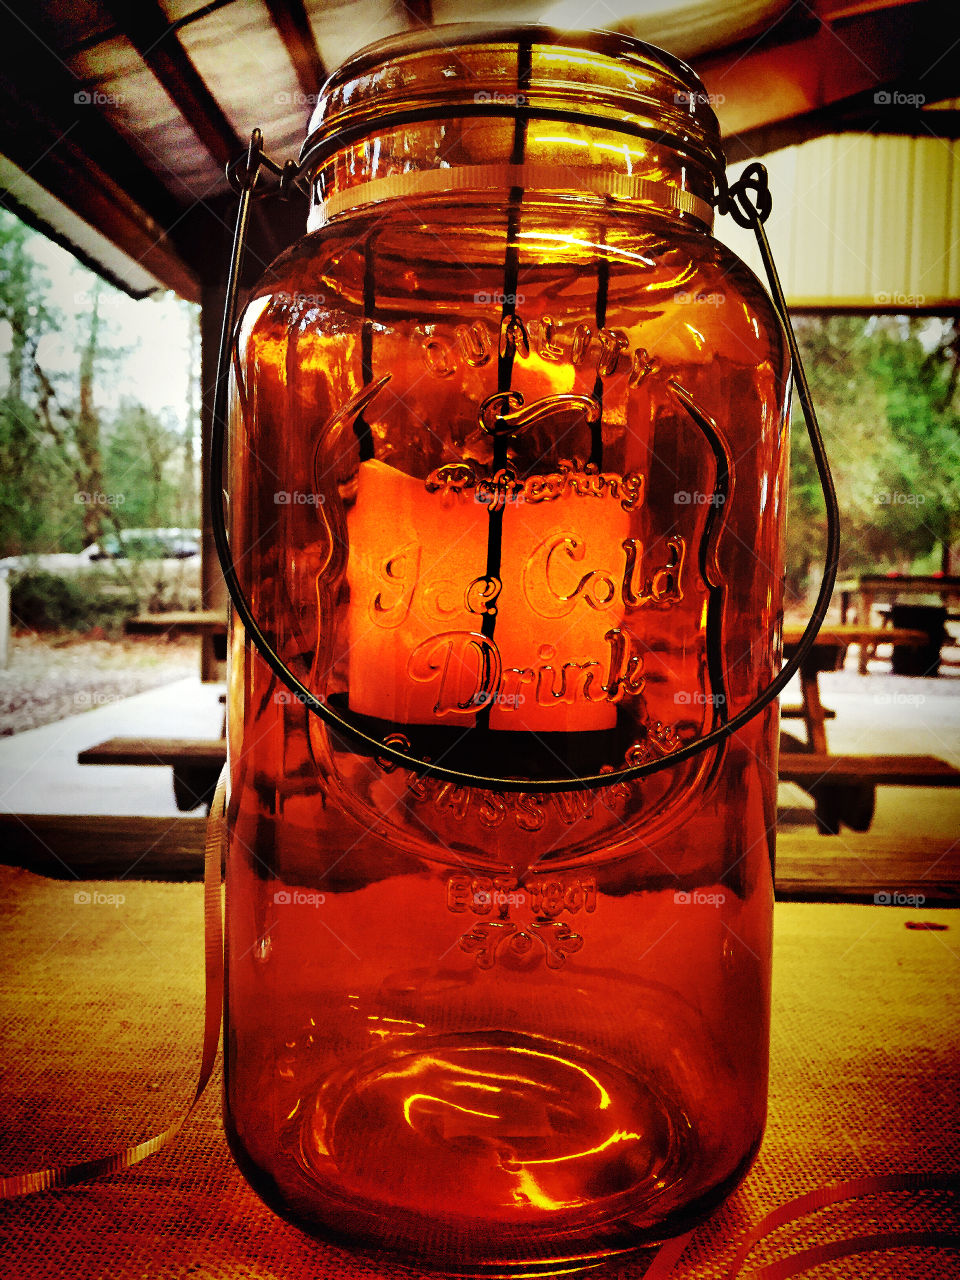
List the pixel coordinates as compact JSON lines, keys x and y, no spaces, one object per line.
{"x":747,"y":211}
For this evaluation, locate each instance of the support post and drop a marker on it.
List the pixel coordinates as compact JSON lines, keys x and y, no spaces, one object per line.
{"x":4,"y":617}
{"x":213,"y":590}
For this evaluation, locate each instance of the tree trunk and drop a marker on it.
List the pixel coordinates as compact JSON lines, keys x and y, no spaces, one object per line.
{"x":88,"y":434}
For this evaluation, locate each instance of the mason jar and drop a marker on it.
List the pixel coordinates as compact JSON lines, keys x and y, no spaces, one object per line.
{"x":507,"y":457}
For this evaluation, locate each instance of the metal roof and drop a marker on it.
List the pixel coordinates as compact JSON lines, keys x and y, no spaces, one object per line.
{"x":122,"y":115}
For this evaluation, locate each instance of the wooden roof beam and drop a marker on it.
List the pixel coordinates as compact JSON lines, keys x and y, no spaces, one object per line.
{"x":419,"y":12}
{"x":80,"y":159}
{"x":773,"y":83}
{"x":293,"y":26}
{"x":145,"y":25}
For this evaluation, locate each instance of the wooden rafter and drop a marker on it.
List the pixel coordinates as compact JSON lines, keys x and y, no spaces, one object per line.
{"x":420,"y":12}
{"x":83,"y":161}
{"x":293,"y":26}
{"x":145,"y":25}
{"x":791,"y":85}
{"x":177,"y":24}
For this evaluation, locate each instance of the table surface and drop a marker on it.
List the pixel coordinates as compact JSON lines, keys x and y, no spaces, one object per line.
{"x":102,"y":1014}
{"x":213,"y":621}
{"x":832,"y":634}
{"x":912,"y":581}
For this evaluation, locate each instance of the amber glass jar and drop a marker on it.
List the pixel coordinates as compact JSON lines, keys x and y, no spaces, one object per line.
{"x":507,"y":465}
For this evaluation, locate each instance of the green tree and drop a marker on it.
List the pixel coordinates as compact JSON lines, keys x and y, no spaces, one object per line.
{"x":144,"y":464}
{"x":36,"y":483}
{"x":916,"y":364}
{"x":850,"y":406}
{"x":52,"y":495}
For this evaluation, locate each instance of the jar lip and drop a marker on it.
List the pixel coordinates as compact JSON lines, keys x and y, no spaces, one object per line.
{"x":372,"y":89}
{"x":611,"y":44}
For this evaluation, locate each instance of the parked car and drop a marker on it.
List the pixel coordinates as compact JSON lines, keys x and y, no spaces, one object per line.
{"x":147,"y":544}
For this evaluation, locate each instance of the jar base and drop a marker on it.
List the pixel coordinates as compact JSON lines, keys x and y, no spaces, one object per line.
{"x":612,"y":1242}
{"x":492,"y":1126}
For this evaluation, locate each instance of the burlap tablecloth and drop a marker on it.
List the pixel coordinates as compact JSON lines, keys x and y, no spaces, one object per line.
{"x":101,"y":1014}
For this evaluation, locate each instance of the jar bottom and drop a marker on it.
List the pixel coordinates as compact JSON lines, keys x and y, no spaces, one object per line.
{"x":484,"y":1153}
{"x":490,"y":1127}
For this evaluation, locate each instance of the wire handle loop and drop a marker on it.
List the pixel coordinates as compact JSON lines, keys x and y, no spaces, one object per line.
{"x":736,"y":200}
{"x":748,"y":211}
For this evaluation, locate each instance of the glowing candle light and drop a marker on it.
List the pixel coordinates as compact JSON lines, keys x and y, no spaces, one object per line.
{"x":556,"y":660}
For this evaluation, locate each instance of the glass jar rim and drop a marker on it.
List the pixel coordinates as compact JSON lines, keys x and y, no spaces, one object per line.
{"x":610,"y":81}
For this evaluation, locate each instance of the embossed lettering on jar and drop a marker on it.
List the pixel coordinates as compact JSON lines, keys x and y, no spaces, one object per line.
{"x":541,"y":416}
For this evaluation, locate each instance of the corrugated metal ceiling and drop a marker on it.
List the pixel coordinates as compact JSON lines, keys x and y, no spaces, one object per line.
{"x":862,"y":221}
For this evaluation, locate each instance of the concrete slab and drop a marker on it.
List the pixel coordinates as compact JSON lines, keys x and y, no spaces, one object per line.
{"x":39,"y":771}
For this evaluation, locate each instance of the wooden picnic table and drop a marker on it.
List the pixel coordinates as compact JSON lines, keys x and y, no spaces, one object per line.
{"x":810,"y":868}
{"x":883,"y":586}
{"x":827,"y":655}
{"x":844,"y":787}
{"x":183,"y":622}
{"x":890,"y":587}
{"x":212,"y":622}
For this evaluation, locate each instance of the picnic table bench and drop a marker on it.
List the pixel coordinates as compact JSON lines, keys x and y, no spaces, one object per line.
{"x":183,"y":622}
{"x":196,"y":762}
{"x":843,"y":787}
{"x":809,"y":868}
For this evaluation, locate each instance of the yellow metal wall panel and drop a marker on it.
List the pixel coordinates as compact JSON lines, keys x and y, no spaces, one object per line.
{"x":862,"y":221}
{"x":953,"y":232}
{"x":928,"y":248}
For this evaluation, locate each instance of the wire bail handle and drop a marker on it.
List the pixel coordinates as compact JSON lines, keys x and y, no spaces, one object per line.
{"x":749,"y":202}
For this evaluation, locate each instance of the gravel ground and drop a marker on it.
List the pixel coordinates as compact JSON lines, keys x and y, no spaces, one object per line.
{"x":51,"y":677}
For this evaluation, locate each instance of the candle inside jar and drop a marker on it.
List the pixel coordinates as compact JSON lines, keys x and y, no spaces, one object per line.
{"x":556,"y":658}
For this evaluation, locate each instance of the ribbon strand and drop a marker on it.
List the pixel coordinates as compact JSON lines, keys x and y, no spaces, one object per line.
{"x":68,"y":1175}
